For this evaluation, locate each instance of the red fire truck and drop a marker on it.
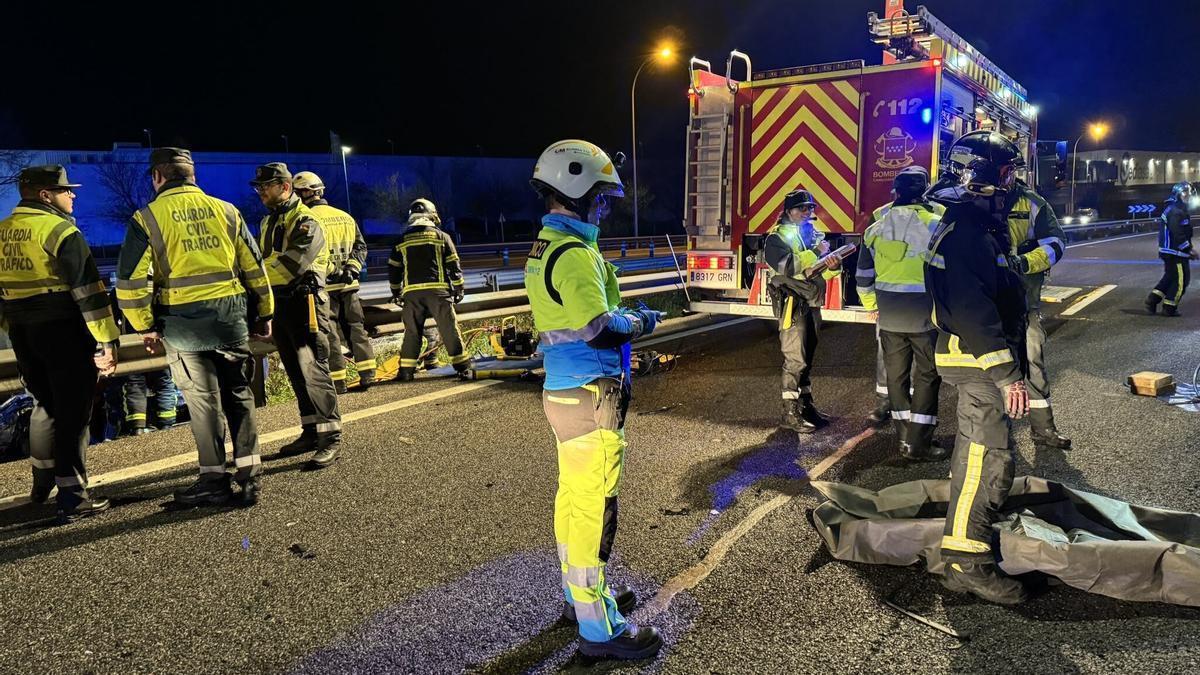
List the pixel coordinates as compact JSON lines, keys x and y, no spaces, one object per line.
{"x":840,"y":130}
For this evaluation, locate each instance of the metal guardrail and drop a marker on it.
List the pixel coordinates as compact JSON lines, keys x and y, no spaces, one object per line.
{"x":1108,"y":228}
{"x":382,"y":318}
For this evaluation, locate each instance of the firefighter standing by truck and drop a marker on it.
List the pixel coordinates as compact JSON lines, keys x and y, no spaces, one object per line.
{"x":891,"y":282}
{"x":56,"y":311}
{"x":427,"y":282}
{"x":1176,"y":251}
{"x":979,"y":311}
{"x":792,"y":246}
{"x":296,"y":259}
{"x":1037,"y":243}
{"x":585,"y":337}
{"x":203,"y":261}
{"x":347,"y":255}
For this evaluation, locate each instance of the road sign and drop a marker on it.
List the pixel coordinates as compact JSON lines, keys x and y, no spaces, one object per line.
{"x":1135,"y":209}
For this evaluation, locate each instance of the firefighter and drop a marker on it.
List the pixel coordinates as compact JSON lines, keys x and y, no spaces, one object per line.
{"x":585,"y":337}
{"x":891,"y":282}
{"x":1036,"y":243}
{"x":347,"y":255}
{"x":1175,"y":249}
{"x":56,"y":311}
{"x":427,"y":282}
{"x":182,"y":279}
{"x":793,"y":245}
{"x":979,"y":311}
{"x":296,"y":259}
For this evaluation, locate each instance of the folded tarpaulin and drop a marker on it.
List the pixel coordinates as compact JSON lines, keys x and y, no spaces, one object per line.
{"x":1094,"y":543}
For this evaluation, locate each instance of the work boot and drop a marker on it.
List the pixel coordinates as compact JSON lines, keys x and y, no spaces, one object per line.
{"x":934,"y":452}
{"x":340,"y":386}
{"x":306,"y":441}
{"x":984,"y":581}
{"x":881,"y":414}
{"x":1170,"y":310}
{"x":625,"y":597}
{"x":366,"y":378}
{"x":40,"y":493}
{"x":327,"y":451}
{"x":634,"y":643}
{"x":1050,"y":438}
{"x":811,"y":415}
{"x":406,"y":375}
{"x":1152,"y":301}
{"x":792,"y":419}
{"x":431,"y":364}
{"x":251,"y":488}
{"x":84,"y":509}
{"x":140,"y":431}
{"x":213,"y":492}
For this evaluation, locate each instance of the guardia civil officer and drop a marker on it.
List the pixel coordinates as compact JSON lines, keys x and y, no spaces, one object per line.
{"x":182,"y":279}
{"x":793,"y":245}
{"x":979,"y":311}
{"x":427,"y":282}
{"x":56,"y":311}
{"x":1176,"y":251}
{"x":296,"y":260}
{"x":347,"y":255}
{"x":585,"y":337}
{"x":891,"y":281}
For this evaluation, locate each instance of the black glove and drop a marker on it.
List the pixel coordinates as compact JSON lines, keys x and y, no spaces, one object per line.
{"x":1018,"y":264}
{"x":458,"y":295}
{"x":398,"y":300}
{"x":349,"y":275}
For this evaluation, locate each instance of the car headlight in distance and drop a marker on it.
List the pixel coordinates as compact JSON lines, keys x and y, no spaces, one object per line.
{"x":1085,"y":219}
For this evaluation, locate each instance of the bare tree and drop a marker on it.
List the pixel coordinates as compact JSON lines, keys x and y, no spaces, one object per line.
{"x":128,"y":187}
{"x":11,"y":163}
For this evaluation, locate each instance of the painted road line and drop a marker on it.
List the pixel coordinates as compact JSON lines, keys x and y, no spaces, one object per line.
{"x":1088,"y":299}
{"x":692,"y":576}
{"x":283,"y":434}
{"x":678,"y":335}
{"x":1111,"y":239}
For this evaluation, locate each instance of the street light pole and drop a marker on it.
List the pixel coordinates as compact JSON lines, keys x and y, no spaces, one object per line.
{"x":286,"y":150}
{"x":346,"y":175}
{"x":1097,"y":131}
{"x":633,"y":125}
{"x":149,"y":137}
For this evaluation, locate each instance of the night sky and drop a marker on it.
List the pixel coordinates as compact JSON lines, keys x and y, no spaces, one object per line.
{"x":506,"y":79}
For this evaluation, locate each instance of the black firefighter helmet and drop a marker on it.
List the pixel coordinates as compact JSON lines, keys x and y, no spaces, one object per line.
{"x":979,"y":164}
{"x":1182,"y":192}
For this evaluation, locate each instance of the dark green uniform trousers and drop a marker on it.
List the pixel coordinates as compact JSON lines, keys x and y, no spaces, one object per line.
{"x":420,"y":306}
{"x":301,"y":330}
{"x":1041,"y":415}
{"x":56,"y":366}
{"x":216,"y":382}
{"x":913,"y":384}
{"x":799,"y":326}
{"x":981,"y":470}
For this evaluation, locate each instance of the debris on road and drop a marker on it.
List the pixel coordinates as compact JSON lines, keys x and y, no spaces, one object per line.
{"x":661,"y":409}
{"x":681,"y":511}
{"x":301,"y":551}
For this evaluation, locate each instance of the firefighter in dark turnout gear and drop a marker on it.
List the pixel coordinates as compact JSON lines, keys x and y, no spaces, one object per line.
{"x":1036,"y":243}
{"x":56,"y":312}
{"x":347,"y":255}
{"x":1176,"y":251}
{"x":979,"y":311}
{"x":427,"y":281}
{"x":891,"y":282}
{"x":792,"y":246}
{"x":296,"y":259}
{"x":203,"y":262}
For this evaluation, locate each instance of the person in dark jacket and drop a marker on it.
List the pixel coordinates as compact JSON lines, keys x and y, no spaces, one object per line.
{"x":1176,"y":251}
{"x":979,"y":311}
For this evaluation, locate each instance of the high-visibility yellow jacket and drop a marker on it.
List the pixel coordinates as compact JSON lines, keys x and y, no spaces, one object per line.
{"x":347,"y":248}
{"x":891,"y":265}
{"x":293,"y":246}
{"x":1036,"y":236}
{"x":195,"y":248}
{"x":47,"y":272}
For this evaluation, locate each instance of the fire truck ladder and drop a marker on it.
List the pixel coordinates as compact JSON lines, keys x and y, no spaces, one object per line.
{"x":708,"y":175}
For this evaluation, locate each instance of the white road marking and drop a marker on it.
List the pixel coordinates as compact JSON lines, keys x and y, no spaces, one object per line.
{"x":693,"y":331}
{"x":1105,"y":241}
{"x":1088,"y":299}
{"x":283,"y":434}
{"x":692,"y":576}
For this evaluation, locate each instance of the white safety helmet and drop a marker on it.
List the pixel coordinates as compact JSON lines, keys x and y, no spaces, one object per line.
{"x":575,"y":172}
{"x":423,"y":209}
{"x":307,"y":180}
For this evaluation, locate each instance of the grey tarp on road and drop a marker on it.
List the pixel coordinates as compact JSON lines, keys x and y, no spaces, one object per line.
{"x":1094,"y":543}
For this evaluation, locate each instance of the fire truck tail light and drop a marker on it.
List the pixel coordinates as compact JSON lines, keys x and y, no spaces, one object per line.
{"x":710,"y":262}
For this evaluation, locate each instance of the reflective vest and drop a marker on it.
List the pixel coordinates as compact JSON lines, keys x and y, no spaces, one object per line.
{"x":284,"y":240}
{"x":30,"y":240}
{"x":1030,"y":213}
{"x":340,"y":234}
{"x":804,"y":254}
{"x":424,"y":260}
{"x":570,"y":288}
{"x":899,"y":243}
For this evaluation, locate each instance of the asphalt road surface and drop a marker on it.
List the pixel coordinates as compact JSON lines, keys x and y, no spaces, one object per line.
{"x":429,"y":546}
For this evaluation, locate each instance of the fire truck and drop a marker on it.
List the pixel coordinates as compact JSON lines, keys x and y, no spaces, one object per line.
{"x":840,"y":130}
